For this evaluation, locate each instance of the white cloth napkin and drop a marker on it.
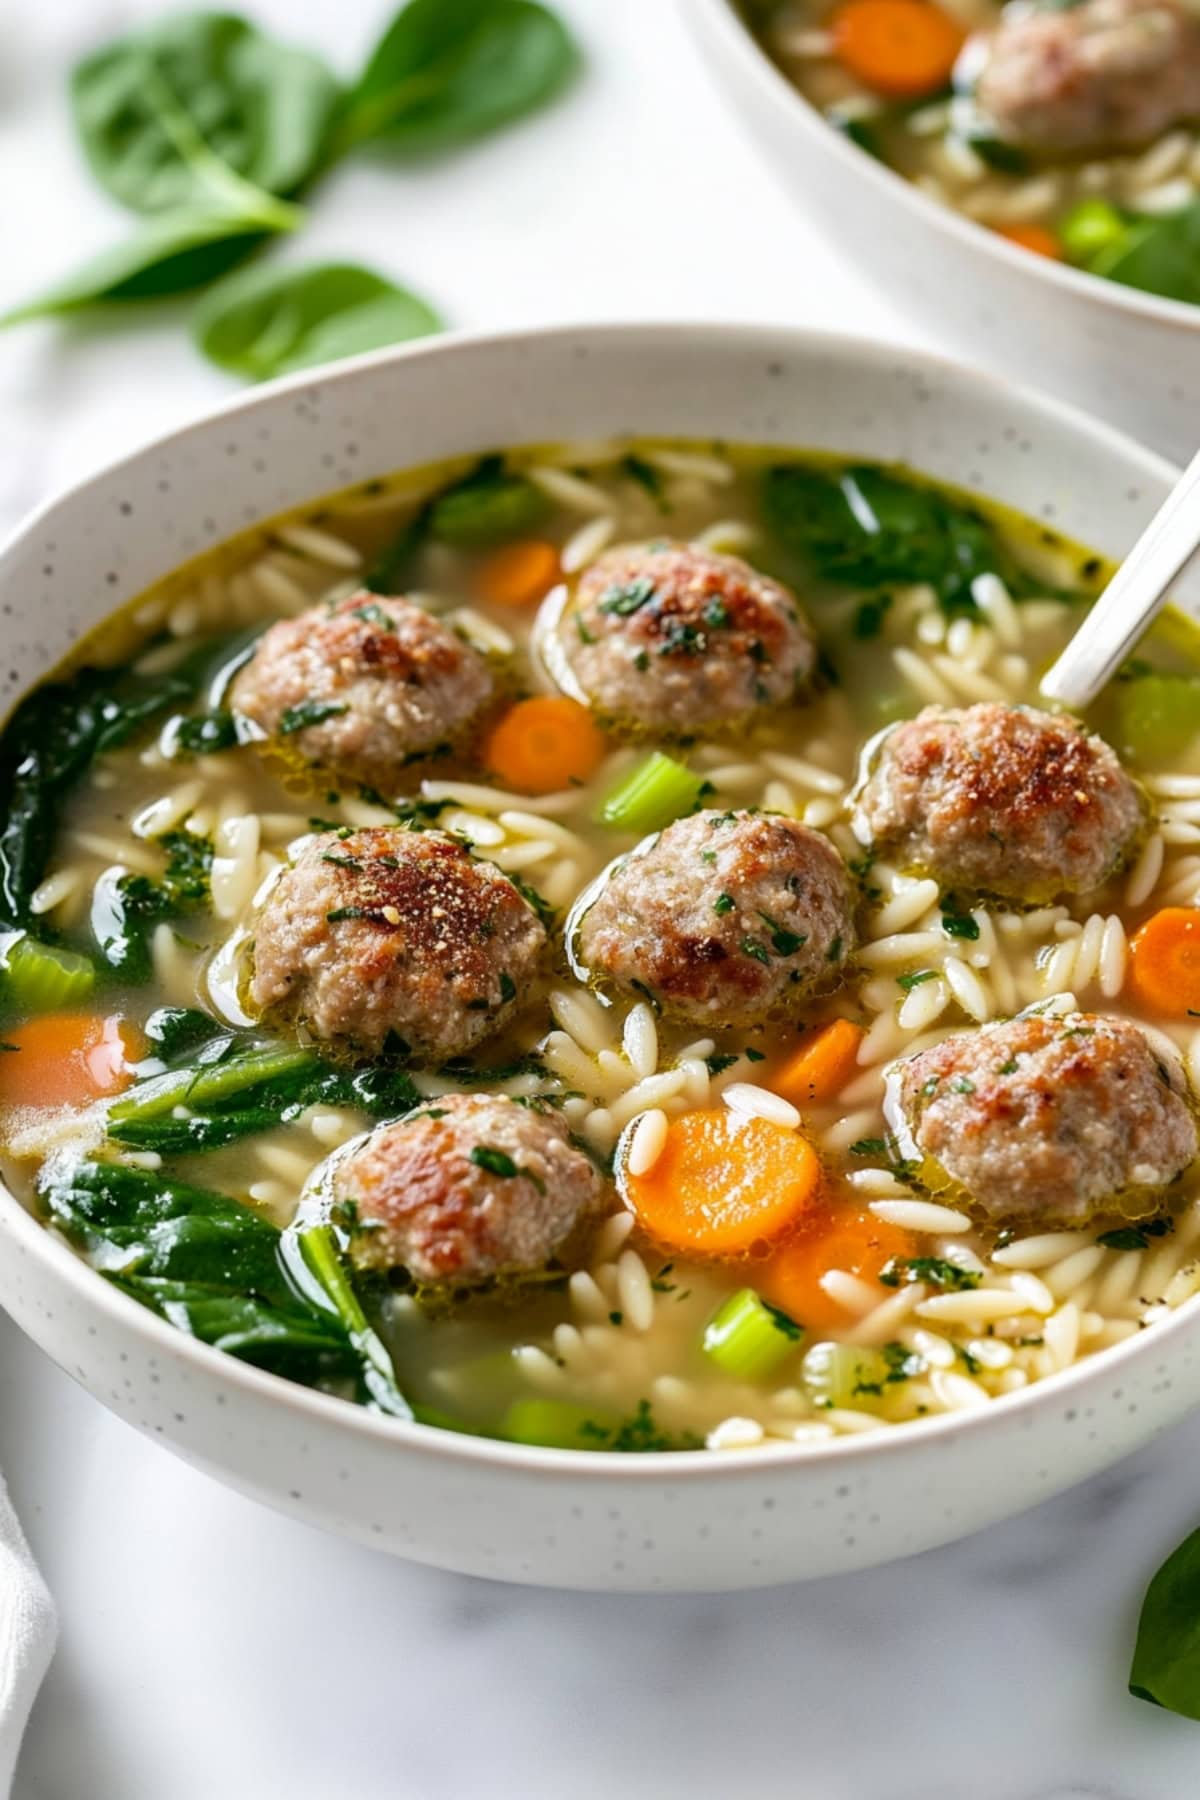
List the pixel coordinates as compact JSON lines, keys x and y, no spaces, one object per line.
{"x":27,"y":1632}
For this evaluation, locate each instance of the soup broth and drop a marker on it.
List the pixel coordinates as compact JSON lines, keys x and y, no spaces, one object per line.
{"x":148,"y":1110}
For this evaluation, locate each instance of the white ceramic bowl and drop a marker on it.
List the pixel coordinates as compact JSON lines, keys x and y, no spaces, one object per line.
{"x":691,"y":1521}
{"x":1130,"y":357}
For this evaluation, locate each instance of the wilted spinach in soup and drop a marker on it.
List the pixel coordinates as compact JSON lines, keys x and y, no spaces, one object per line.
{"x":599,"y":947}
{"x":1071,"y":129}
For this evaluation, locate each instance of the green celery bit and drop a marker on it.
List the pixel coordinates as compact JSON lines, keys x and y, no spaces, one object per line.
{"x":1090,"y":227}
{"x":557,"y":1424}
{"x":198,"y":1085}
{"x":844,"y":1375}
{"x":1157,"y":716}
{"x":657,"y":791}
{"x":748,"y":1339}
{"x":38,"y":978}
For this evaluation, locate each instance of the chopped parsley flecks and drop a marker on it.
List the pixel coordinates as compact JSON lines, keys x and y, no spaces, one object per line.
{"x":627,"y":597}
{"x":936,"y":1270}
{"x":1137,"y":1237}
{"x":960,"y":925}
{"x":309,"y":712}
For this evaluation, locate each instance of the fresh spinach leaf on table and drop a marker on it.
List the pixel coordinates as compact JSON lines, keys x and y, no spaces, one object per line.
{"x":269,"y":321}
{"x":168,"y":255}
{"x":194,"y":107}
{"x":446,"y":71}
{"x":1166,"y":1657}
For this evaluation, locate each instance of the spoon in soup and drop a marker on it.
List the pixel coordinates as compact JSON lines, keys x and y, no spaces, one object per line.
{"x":1132,"y":599}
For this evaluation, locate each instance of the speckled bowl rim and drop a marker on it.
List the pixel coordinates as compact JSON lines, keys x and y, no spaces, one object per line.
{"x":741,"y":46}
{"x":695,"y":1466}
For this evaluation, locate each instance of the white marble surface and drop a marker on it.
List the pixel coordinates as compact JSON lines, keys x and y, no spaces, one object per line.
{"x":210,"y":1648}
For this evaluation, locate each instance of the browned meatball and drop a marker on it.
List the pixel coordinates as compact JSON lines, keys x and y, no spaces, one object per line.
{"x":394,"y":940}
{"x":1000,"y":799}
{"x":363,"y":688}
{"x":1103,"y":75}
{"x":1048,"y":1121}
{"x":682,"y":640}
{"x":724,"y":918}
{"x":471,"y":1186}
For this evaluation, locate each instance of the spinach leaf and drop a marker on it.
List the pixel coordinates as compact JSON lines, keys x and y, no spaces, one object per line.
{"x":446,"y":71}
{"x":168,"y":113}
{"x":201,"y":1261}
{"x":286,"y":1338}
{"x":486,"y":507}
{"x":52,"y":738}
{"x":269,"y":321}
{"x":168,"y":255}
{"x":392,"y":570}
{"x":173,"y":1029}
{"x":234,"y":1089}
{"x":868,"y":528}
{"x":125,"y":906}
{"x":1158,"y":255}
{"x":1166,"y":1657}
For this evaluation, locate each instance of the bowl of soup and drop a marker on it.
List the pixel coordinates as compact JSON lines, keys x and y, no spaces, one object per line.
{"x":566,"y":1010}
{"x":1024,"y":180}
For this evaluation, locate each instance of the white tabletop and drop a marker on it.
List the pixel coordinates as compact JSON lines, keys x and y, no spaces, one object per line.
{"x":212,"y":1649}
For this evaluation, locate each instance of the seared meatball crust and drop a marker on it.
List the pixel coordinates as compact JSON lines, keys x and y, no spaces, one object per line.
{"x":1049,"y":1121}
{"x":386,"y":940}
{"x":1002,"y":800}
{"x":363,"y":688}
{"x":668,"y":637}
{"x":471,"y":1187}
{"x":1106,"y":75}
{"x":725,"y":918}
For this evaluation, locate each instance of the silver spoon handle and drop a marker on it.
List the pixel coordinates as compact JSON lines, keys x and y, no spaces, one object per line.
{"x":1132,"y":598}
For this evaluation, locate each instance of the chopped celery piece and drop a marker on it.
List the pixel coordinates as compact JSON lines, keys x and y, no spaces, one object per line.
{"x":747,"y":1338}
{"x":659,"y":790}
{"x":1089,"y":227}
{"x":844,"y":1375}
{"x":1158,"y":716}
{"x":201,"y":1085}
{"x":38,"y":978}
{"x":322,"y":1258}
{"x":557,"y":1424}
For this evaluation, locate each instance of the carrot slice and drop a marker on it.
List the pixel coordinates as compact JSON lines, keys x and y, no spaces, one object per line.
{"x":1032,"y":237}
{"x":518,"y":574}
{"x":1164,"y":962}
{"x":544,"y":744}
{"x":723,"y":1185}
{"x":67,"y":1059}
{"x":846,"y":1238}
{"x":821,"y":1065}
{"x":902,"y":48}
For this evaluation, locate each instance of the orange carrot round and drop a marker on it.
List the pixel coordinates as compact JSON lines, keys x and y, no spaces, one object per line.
{"x":544,"y":744}
{"x":518,"y":574}
{"x":1164,"y":962}
{"x":820,"y":1065}
{"x":1032,"y":237}
{"x":67,"y":1059}
{"x":901,"y":48}
{"x":723,"y":1185}
{"x":847,"y":1238}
